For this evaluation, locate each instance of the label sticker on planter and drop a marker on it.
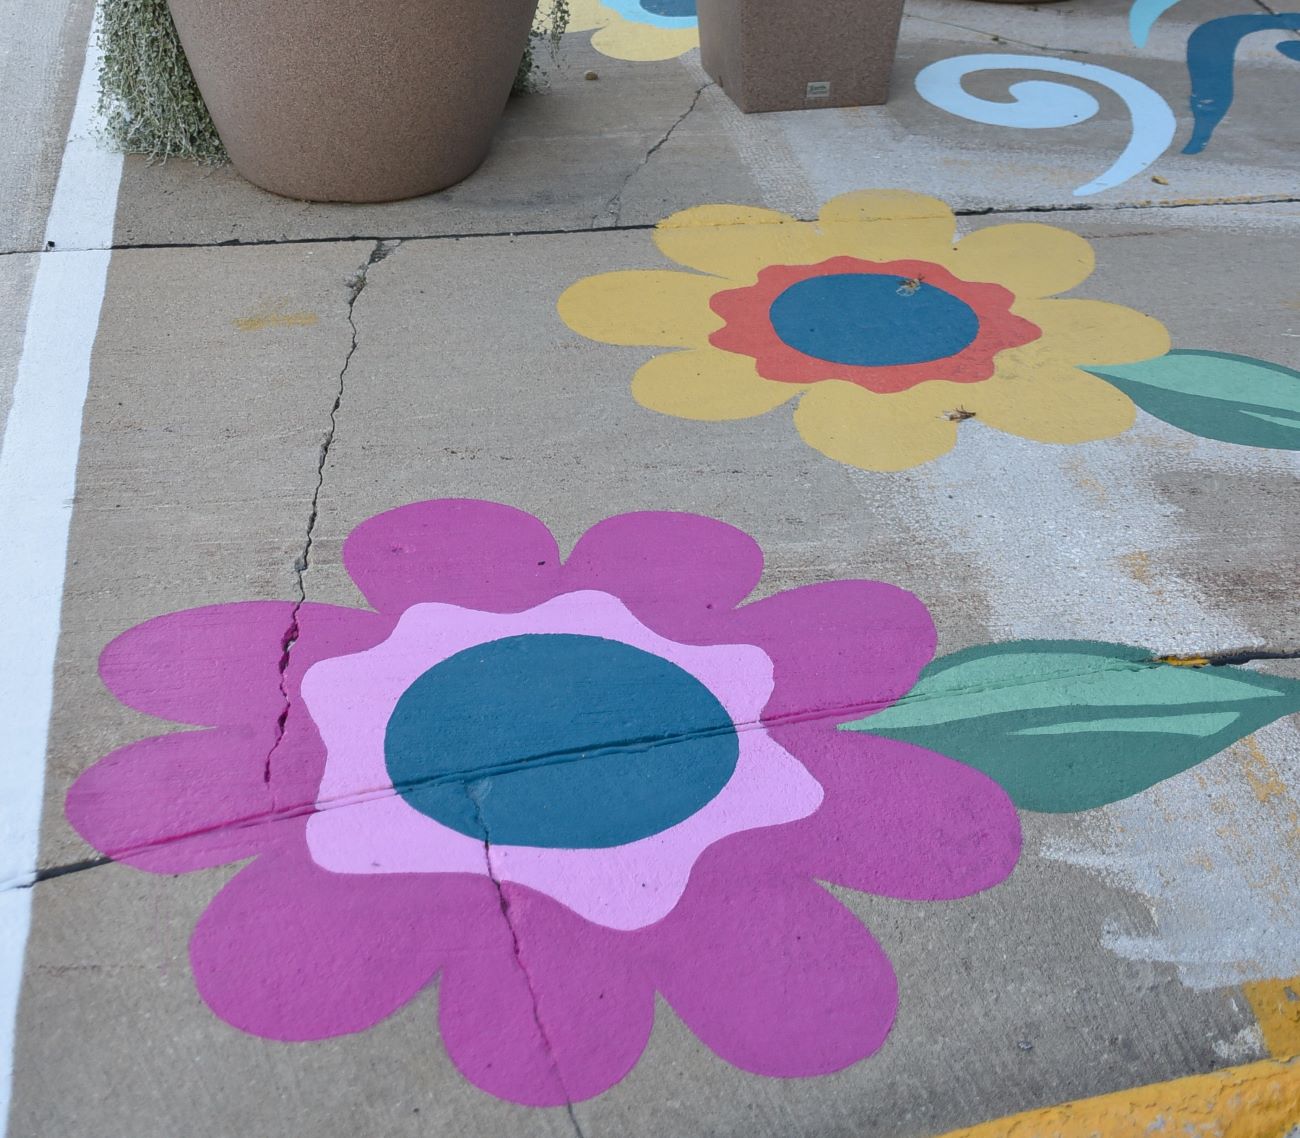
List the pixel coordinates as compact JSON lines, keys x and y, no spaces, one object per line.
{"x":819,"y":90}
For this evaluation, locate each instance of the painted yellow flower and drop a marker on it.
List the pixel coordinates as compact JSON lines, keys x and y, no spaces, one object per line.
{"x":888,"y":331}
{"x":637,"y":29}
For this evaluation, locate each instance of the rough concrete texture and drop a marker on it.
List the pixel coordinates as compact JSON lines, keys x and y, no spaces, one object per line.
{"x":250,"y":405}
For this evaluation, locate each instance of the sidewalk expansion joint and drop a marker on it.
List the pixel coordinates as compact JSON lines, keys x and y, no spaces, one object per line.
{"x":995,"y":37}
{"x":393,"y":240}
{"x":832,"y":715}
{"x":356,"y":285}
{"x":614,"y":207}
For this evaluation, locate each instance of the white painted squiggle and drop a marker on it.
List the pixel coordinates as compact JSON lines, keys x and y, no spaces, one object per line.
{"x":1036,"y":105}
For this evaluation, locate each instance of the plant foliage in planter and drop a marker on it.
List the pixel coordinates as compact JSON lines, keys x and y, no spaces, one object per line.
{"x":151,"y":105}
{"x":148,"y":98}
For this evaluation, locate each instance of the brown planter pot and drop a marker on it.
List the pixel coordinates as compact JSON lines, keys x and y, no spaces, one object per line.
{"x":354,"y":100}
{"x":797,"y":56}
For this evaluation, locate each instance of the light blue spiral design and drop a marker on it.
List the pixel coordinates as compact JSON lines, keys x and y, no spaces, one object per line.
{"x":1142,"y":17}
{"x":1037,"y":105}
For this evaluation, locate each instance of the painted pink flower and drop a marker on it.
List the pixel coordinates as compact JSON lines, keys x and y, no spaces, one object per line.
{"x":559,"y":787}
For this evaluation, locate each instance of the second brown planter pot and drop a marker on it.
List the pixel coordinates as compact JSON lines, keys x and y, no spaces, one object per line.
{"x":770,"y":56}
{"x":354,"y":100}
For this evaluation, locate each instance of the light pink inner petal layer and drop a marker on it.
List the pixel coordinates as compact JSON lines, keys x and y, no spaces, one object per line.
{"x":289,"y":951}
{"x":457,"y":551}
{"x":897,"y":820}
{"x":362,"y":827}
{"x":596,"y":1015}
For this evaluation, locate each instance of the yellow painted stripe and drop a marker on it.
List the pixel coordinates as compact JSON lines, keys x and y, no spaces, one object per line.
{"x":1259,"y":1100}
{"x":1277,"y":1007}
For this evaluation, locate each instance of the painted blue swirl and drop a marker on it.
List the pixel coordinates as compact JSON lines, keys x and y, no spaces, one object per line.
{"x":1143,"y":15}
{"x":1037,"y":105}
{"x":1211,"y":58}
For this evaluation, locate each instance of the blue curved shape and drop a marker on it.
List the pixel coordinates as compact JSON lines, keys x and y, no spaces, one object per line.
{"x":1143,"y":15}
{"x":656,"y":13}
{"x":873,"y":320}
{"x":1211,"y":58}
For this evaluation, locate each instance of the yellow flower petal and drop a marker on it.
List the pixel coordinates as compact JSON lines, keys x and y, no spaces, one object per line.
{"x":1054,"y":404}
{"x":879,"y":432}
{"x":1031,"y":260}
{"x":642,"y":306}
{"x":887,"y":225}
{"x":627,"y":39}
{"x":1093,"y":331}
{"x":708,"y":384}
{"x":736,"y":241}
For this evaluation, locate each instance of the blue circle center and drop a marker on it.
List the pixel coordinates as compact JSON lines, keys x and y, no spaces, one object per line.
{"x":561,"y":741}
{"x":669,"y":7}
{"x":873,"y":320}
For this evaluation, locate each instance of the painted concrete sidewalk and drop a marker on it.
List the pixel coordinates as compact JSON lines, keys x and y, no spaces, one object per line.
{"x":776,"y":625}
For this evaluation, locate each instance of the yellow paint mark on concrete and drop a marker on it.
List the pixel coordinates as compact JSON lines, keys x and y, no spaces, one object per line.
{"x":1258,"y":1100}
{"x":1184,"y":661}
{"x":1138,"y":566}
{"x":260,"y":321}
{"x":1276,"y":1004}
{"x":1263,"y":776}
{"x":1079,"y":471}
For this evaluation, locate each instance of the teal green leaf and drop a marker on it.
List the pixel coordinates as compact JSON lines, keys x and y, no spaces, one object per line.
{"x":1068,"y":725}
{"x":1237,"y":399}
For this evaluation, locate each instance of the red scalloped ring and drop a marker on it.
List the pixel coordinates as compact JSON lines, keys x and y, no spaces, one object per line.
{"x":749,"y":330}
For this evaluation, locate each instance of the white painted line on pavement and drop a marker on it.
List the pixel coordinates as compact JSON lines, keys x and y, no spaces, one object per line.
{"x":38,"y":473}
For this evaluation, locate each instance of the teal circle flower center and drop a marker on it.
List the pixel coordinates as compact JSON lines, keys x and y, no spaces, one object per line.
{"x":559,"y":741}
{"x":873,"y":320}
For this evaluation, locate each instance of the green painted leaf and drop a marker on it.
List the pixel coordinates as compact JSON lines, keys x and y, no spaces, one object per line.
{"x":1236,"y":399}
{"x":1073,"y":724}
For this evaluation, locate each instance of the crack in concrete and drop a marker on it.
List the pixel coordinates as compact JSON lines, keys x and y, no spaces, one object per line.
{"x":356,"y":285}
{"x":476,"y":791}
{"x":614,"y":207}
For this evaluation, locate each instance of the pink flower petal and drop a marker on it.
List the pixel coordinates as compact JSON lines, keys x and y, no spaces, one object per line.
{"x":775,"y":976}
{"x":288,"y":951}
{"x":179,"y":802}
{"x":549,"y":1013}
{"x":679,"y":573}
{"x":896,"y":819}
{"x":220,"y":665}
{"x":841,"y":649}
{"x":460,"y":551}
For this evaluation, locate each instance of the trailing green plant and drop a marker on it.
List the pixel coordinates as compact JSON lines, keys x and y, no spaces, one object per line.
{"x":148,"y":98}
{"x":151,"y":105}
{"x":548,"y":28}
